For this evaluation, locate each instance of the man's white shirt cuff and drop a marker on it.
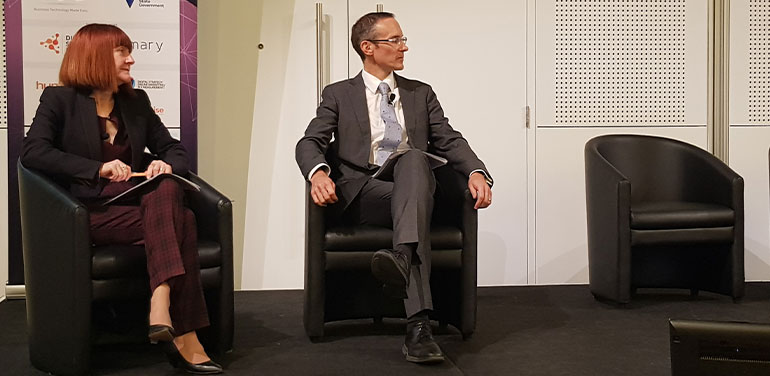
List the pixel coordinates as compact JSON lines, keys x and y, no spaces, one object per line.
{"x":486,"y":177}
{"x":320,"y":165}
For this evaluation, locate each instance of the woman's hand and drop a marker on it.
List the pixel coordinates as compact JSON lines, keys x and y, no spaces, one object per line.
{"x":115,"y":170}
{"x":157,"y":167}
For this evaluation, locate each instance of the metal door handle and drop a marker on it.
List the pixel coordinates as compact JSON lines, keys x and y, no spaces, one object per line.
{"x":319,"y":14}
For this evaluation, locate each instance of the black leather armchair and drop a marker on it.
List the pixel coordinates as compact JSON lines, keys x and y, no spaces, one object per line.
{"x":661,"y":213}
{"x":70,"y":283}
{"x":338,"y":280}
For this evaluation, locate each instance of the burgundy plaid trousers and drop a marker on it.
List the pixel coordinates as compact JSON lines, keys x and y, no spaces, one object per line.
{"x":169,"y":234}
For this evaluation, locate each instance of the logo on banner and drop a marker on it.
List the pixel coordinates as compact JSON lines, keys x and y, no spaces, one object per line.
{"x":52,"y":43}
{"x":146,"y":4}
{"x":148,"y":84}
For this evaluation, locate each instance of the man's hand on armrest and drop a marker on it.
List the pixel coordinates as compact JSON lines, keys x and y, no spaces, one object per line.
{"x":322,"y":188}
{"x":480,"y":190}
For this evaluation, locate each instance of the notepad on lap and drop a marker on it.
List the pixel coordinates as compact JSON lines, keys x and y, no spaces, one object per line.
{"x":385,"y":172}
{"x":149,"y":185}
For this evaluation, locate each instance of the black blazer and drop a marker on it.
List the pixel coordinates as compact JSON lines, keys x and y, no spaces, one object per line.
{"x":65,"y":143}
{"x":343,"y":113}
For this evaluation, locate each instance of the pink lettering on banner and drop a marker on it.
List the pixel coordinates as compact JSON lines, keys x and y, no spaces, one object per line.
{"x":42,"y":85}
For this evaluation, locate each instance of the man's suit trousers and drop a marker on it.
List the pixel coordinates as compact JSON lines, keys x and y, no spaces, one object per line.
{"x":406,"y":204}
{"x":168,"y":231}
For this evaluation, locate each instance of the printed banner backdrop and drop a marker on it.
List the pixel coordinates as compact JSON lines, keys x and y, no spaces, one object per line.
{"x":152,"y":25}
{"x":38,"y":33}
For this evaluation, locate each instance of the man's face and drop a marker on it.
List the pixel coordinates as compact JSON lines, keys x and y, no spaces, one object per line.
{"x":388,"y":55}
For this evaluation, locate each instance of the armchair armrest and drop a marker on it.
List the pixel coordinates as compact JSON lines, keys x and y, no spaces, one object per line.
{"x":214,"y":217}
{"x":314,"y":218}
{"x":315,"y":265}
{"x":57,"y":269}
{"x":452,"y":193}
{"x":455,"y":207}
{"x":708,"y":179}
{"x":213,"y":212}
{"x":469,"y":271}
{"x":55,"y":233}
{"x":608,"y":215}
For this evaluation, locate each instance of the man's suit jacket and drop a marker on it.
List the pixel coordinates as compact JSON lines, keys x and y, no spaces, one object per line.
{"x":64,"y":140}
{"x":343,"y":113}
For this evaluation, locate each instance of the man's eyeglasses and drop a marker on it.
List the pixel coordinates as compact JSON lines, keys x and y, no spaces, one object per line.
{"x":398,"y":41}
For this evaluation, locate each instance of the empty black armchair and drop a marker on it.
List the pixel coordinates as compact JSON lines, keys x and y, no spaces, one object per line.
{"x":661,"y":213}
{"x":338,"y":280}
{"x":67,"y":278}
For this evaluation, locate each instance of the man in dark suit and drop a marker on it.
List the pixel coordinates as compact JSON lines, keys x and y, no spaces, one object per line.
{"x":371,"y":116}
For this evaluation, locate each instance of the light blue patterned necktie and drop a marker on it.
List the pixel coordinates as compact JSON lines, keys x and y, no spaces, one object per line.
{"x":392,"y":137}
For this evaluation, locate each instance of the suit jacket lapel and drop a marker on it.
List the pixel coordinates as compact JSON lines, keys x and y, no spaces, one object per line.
{"x":357,"y":95}
{"x":90,"y":124}
{"x":407,"y":103}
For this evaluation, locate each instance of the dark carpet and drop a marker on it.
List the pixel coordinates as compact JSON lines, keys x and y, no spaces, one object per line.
{"x":533,"y":330}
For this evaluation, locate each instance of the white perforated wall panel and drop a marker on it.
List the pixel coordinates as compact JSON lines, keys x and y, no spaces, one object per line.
{"x":750,"y":62}
{"x":621,"y":63}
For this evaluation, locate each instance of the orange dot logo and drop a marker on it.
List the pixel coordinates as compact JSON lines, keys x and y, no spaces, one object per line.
{"x":52,"y":43}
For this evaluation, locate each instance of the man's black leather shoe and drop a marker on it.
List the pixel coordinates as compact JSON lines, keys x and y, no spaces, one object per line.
{"x":419,"y":345}
{"x":392,"y":269}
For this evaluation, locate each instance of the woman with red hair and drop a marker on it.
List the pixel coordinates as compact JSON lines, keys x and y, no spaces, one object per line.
{"x":89,"y":134}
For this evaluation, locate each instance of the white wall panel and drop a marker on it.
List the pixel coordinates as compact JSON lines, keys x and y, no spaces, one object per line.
{"x":749,"y":158}
{"x":750,"y":125}
{"x":284,"y":103}
{"x":561,"y":240}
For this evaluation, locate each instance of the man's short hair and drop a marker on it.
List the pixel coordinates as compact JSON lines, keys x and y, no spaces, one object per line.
{"x":363,"y":29}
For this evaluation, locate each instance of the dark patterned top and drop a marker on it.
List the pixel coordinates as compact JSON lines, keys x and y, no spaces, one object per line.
{"x":120,"y":148}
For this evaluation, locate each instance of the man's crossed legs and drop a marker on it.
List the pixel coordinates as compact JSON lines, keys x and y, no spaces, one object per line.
{"x":406,"y":204}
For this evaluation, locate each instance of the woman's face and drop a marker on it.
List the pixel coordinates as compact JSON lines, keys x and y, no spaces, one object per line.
{"x":123,"y":63}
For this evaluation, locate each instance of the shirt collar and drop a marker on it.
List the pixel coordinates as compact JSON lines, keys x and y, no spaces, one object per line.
{"x":372,"y":82}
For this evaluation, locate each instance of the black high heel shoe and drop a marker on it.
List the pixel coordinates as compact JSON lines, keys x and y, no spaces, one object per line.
{"x":178,"y":361}
{"x":160,"y":333}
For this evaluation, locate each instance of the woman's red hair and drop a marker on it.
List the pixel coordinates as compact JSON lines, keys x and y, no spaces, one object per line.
{"x":88,"y":62}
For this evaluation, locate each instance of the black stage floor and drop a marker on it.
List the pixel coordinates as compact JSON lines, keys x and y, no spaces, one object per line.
{"x":533,"y":330}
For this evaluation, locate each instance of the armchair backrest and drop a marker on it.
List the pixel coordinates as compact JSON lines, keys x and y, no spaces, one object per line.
{"x":662,"y":169}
